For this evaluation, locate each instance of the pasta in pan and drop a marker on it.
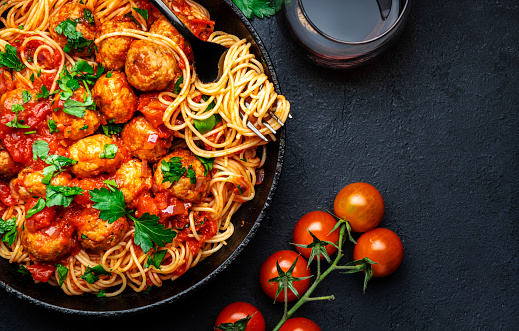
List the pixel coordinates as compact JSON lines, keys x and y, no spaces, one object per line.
{"x":118,"y":167}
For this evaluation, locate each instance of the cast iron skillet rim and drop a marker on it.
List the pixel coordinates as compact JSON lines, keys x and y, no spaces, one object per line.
{"x":233,"y":255}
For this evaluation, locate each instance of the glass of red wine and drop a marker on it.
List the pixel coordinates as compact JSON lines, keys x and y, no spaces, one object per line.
{"x":342,"y":34}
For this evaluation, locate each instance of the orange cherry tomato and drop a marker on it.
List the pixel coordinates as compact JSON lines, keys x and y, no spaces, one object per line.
{"x":361,"y":205}
{"x":299,"y":324}
{"x":285,"y":259}
{"x":382,"y":246}
{"x":238,"y":311}
{"x":321,"y":225}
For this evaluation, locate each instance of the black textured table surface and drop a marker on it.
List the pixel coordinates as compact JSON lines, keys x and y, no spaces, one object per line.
{"x":433,"y":124}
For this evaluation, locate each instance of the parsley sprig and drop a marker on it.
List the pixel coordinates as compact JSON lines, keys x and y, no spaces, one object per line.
{"x":260,"y":8}
{"x":148,"y":230}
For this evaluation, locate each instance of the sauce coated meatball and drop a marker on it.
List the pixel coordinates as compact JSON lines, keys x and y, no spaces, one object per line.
{"x":115,"y":97}
{"x":28,"y":183}
{"x":144,"y":141}
{"x":73,"y":127}
{"x":163,"y":27}
{"x":149,"y":66}
{"x":95,"y":233}
{"x":184,"y":189}
{"x":85,"y":24}
{"x":89,"y":151}
{"x":49,"y":243}
{"x":112,"y":51}
{"x":132,"y":181}
{"x":8,"y":168}
{"x":11,"y":98}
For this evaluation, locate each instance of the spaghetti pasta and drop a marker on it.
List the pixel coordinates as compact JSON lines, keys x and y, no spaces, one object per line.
{"x":219,"y":166}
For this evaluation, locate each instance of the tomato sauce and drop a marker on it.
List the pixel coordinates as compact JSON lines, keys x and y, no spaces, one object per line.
{"x":19,"y":144}
{"x":151,"y":107}
{"x":6,"y":197}
{"x":41,"y":271}
{"x":41,"y":219}
{"x":46,"y":58}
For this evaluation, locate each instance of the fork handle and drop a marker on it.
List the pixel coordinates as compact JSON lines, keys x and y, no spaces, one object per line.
{"x":177,"y":23}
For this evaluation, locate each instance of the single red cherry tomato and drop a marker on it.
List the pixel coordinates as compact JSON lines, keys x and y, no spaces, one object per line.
{"x":361,"y":205}
{"x":382,"y":246}
{"x":321,"y":225}
{"x":285,"y":259}
{"x":237,"y":311}
{"x":299,"y":324}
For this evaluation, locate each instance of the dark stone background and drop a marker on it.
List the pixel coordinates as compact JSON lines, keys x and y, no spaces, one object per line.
{"x":433,"y":124}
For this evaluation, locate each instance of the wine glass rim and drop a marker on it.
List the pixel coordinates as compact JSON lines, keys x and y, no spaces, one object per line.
{"x":363,"y":42}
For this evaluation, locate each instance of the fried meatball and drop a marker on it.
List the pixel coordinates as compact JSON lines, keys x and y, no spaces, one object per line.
{"x":87,"y":152}
{"x":8,"y":168}
{"x":132,"y":181}
{"x":144,"y":141}
{"x":28,"y":183}
{"x":49,"y":243}
{"x":95,"y":233}
{"x":163,"y":27}
{"x":183,"y":188}
{"x":112,"y":50}
{"x":149,"y":66}
{"x":73,"y":127}
{"x":15,"y":97}
{"x":115,"y":97}
{"x":84,"y":24}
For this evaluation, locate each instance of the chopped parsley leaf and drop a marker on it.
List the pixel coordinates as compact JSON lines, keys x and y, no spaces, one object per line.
{"x":177,"y":87}
{"x":62,"y":273}
{"x":156,"y":259}
{"x":172,"y":169}
{"x":15,"y":123}
{"x":75,"y":39}
{"x":26,"y":96}
{"x":191,"y":175}
{"x":40,"y":149}
{"x":61,"y":195}
{"x":10,"y":58}
{"x":207,"y":162}
{"x":52,"y":126}
{"x":111,"y":128}
{"x":91,"y":275}
{"x":142,"y":12}
{"x":110,"y":151}
{"x":8,"y":230}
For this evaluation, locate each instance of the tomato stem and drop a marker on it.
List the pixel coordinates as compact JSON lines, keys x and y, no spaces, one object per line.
{"x":306,"y":297}
{"x":329,"y":298}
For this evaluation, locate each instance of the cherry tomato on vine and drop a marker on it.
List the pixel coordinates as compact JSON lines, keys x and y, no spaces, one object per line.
{"x":320,"y":224}
{"x":361,"y":205}
{"x":382,"y":246}
{"x":285,"y":259}
{"x":237,"y":311}
{"x":299,"y":324}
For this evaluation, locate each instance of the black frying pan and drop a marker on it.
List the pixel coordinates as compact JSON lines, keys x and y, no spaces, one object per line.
{"x":247,"y":220}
